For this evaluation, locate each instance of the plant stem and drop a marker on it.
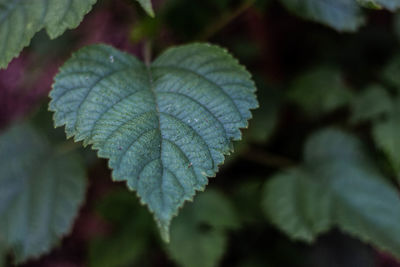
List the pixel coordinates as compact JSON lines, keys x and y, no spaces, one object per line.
{"x":224,"y":20}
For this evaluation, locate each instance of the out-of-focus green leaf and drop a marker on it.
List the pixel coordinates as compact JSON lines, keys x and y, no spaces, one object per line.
{"x":21,"y":19}
{"x":166,"y":127}
{"x":297,"y":205}
{"x":341,"y":189}
{"x":147,"y":6}
{"x":391,"y":5}
{"x":265,"y":118}
{"x":246,"y":197}
{"x":370,"y":104}
{"x":342,"y":15}
{"x":40,"y":192}
{"x":320,"y":91}
{"x":199,"y":234}
{"x":386,"y":135}
{"x":131,"y":231}
{"x":372,"y":4}
{"x":391,"y":72}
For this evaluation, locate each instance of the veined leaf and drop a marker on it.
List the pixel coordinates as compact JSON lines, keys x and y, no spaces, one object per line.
{"x":21,"y":19}
{"x":342,"y":190}
{"x":147,"y":6}
{"x":40,"y":193}
{"x":342,"y":15}
{"x":198,"y":235}
{"x":164,"y":127}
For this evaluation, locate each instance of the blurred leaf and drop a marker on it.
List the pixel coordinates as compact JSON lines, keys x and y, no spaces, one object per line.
{"x":297,"y":205}
{"x":21,"y":19}
{"x":246,"y":197}
{"x":372,"y":4}
{"x":370,"y":104}
{"x":165,"y":128}
{"x":320,"y":91}
{"x":199,"y":234}
{"x":391,"y":72}
{"x":265,"y":117}
{"x":342,"y":15}
{"x":40,"y":192}
{"x":147,"y":6}
{"x":340,"y":189}
{"x":132,"y":229}
{"x":386,"y":135}
{"x":378,"y":4}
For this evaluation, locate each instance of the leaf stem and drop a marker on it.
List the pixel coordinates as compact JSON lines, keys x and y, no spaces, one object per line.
{"x":224,"y":20}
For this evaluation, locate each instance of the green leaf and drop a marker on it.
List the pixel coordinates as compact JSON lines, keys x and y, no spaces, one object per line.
{"x":40,"y":192}
{"x":372,"y":4}
{"x":198,"y":235}
{"x":386,"y":135}
{"x":21,"y":19}
{"x":165,"y":127}
{"x":265,"y":118}
{"x":391,"y":5}
{"x":131,"y":231}
{"x":391,"y":72}
{"x":320,"y":91}
{"x":342,"y":15}
{"x":342,"y":189}
{"x":371,"y":104}
{"x":147,"y":6}
{"x":297,"y":205}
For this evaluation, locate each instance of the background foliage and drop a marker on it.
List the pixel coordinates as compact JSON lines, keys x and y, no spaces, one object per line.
{"x":319,"y":163}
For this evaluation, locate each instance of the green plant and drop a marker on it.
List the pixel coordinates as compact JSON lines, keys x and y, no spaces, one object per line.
{"x":165,"y":125}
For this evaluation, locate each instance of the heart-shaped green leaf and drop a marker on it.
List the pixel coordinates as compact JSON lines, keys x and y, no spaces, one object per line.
{"x":165,"y":127}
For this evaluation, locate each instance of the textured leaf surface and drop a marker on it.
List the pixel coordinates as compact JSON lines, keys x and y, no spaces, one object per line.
{"x":40,"y":192}
{"x":340,"y":189}
{"x":320,"y":91}
{"x":342,"y":15}
{"x":21,"y":19}
{"x":147,"y":6}
{"x":198,"y":235}
{"x":166,"y":127}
